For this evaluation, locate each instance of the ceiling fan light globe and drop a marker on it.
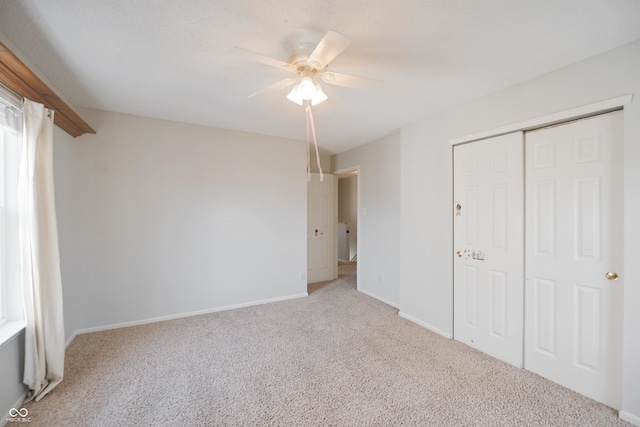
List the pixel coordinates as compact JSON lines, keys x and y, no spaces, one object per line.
{"x":319,"y":96}
{"x":294,"y":95}
{"x":306,"y":88}
{"x":318,"y":99}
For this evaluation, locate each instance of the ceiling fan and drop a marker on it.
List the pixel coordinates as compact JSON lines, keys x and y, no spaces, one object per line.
{"x":308,"y":66}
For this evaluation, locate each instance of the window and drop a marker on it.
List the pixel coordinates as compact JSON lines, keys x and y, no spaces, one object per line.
{"x":10,"y":134}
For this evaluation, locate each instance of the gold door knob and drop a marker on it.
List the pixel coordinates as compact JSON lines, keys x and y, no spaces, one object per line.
{"x":611,"y":275}
{"x":459,"y":254}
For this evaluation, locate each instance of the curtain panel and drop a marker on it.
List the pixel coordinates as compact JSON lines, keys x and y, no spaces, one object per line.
{"x":39,"y":255}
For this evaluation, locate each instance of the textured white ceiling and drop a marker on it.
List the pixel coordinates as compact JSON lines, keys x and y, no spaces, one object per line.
{"x":174,"y":59}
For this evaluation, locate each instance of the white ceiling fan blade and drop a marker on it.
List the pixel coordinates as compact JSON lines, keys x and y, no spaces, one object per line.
{"x":349,"y":80}
{"x":254,"y":56}
{"x":275,"y":87}
{"x":331,"y":45}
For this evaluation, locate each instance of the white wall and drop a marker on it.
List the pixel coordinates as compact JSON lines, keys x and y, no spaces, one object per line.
{"x":12,"y":391}
{"x":379,"y":246}
{"x":426,"y":292}
{"x":64,"y":177}
{"x":158,"y":219}
{"x":348,"y":210}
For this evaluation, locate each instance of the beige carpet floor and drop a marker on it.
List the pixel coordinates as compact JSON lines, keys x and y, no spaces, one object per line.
{"x":335,"y":358}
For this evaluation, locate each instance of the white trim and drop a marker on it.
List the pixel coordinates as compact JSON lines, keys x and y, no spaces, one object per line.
{"x":10,"y":329}
{"x":549,"y":119}
{"x":181,"y":315}
{"x":71,"y":338}
{"x":425,"y":325}
{"x":10,"y":97}
{"x":374,"y":296}
{"x":633,"y":419}
{"x":346,"y":170}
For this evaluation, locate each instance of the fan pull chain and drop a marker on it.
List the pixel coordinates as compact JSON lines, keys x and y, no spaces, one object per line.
{"x":311,"y":124}
{"x":308,"y":147}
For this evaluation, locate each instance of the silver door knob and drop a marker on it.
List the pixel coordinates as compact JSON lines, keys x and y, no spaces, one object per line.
{"x":611,"y":275}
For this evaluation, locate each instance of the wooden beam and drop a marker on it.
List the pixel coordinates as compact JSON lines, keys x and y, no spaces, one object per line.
{"x":20,"y":79}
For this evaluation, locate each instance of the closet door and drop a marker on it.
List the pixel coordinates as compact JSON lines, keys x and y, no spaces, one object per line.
{"x":488,"y":244}
{"x":574,"y":256}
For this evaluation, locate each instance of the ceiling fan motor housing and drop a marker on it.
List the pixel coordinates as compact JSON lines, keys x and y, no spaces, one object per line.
{"x":300,"y":59}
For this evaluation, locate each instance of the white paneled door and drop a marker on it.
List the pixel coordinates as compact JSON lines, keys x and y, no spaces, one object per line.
{"x":488,"y":244}
{"x":322,"y":224}
{"x":574,"y":209}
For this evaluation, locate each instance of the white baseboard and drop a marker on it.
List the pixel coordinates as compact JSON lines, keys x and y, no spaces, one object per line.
{"x":633,"y":419}
{"x":425,"y":325}
{"x":181,"y":315}
{"x":17,"y":405}
{"x":71,"y":338}
{"x":384,"y":300}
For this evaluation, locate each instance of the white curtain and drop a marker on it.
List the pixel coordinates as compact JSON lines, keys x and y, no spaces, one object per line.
{"x":39,"y":256}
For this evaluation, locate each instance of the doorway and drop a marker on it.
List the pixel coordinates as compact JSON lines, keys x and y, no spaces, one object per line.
{"x":348,"y":220}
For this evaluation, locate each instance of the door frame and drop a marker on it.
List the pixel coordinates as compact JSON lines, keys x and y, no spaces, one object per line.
{"x":337,"y":173}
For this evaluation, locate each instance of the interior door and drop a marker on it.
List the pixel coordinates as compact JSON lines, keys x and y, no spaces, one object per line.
{"x":488,"y":244}
{"x":322,"y":225}
{"x":574,"y":256}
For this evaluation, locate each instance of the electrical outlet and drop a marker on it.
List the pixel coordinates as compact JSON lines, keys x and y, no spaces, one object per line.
{"x":303,"y":276}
